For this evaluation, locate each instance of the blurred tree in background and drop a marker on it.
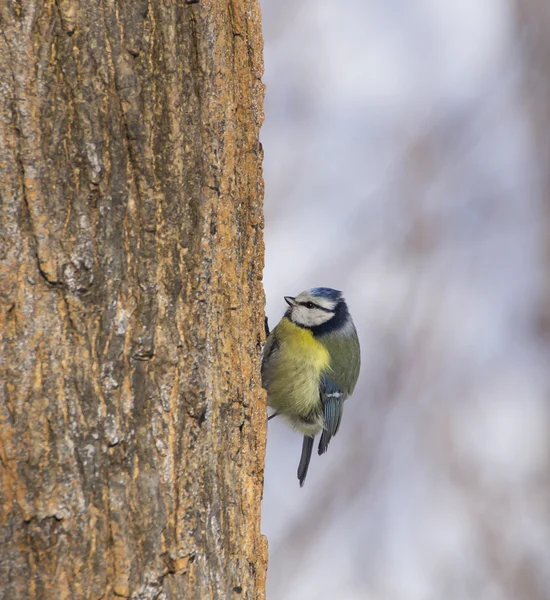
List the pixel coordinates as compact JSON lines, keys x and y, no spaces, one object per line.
{"x":407,"y":164}
{"x":132,"y":422}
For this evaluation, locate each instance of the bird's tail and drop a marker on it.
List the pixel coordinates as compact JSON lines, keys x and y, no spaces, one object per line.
{"x":307,"y":447}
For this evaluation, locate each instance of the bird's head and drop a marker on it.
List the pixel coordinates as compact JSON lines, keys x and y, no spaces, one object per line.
{"x":319,"y":309}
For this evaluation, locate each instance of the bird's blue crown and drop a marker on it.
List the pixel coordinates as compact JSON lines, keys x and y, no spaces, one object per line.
{"x":325,"y":292}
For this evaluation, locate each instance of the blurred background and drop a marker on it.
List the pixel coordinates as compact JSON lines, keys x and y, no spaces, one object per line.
{"x":407,"y":163}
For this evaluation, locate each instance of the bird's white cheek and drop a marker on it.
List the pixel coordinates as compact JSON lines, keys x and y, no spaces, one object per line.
{"x":300,"y":316}
{"x":310,"y":317}
{"x":321,"y":317}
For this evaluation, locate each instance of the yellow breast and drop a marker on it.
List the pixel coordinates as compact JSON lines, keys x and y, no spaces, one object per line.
{"x":297,"y":368}
{"x":301,"y":344}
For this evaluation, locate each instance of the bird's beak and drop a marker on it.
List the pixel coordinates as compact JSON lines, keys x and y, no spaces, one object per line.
{"x":290,"y":300}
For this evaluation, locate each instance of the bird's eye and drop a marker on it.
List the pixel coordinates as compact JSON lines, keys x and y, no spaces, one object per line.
{"x":310,"y":305}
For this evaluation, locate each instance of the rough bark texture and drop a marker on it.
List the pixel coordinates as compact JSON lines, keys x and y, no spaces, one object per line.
{"x":132,"y":421}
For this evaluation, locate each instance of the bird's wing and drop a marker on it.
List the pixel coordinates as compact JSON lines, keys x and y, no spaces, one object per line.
{"x":332,"y":398}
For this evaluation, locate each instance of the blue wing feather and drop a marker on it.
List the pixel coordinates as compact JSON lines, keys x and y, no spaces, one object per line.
{"x":332,"y":398}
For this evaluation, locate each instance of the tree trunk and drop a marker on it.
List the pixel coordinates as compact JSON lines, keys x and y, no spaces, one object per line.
{"x":533,"y":18}
{"x":132,"y":421}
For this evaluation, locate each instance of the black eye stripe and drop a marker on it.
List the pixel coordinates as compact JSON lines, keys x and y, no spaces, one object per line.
{"x":313,"y":305}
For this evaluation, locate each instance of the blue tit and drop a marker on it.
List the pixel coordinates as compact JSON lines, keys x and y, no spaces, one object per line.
{"x":310,"y":365}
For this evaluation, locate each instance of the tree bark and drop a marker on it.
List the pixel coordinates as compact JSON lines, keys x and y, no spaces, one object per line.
{"x":132,"y":421}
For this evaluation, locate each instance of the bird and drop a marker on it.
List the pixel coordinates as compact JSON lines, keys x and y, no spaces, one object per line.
{"x":310,"y":365}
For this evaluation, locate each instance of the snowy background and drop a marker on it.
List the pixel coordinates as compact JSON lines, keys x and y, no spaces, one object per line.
{"x":407,"y":163}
